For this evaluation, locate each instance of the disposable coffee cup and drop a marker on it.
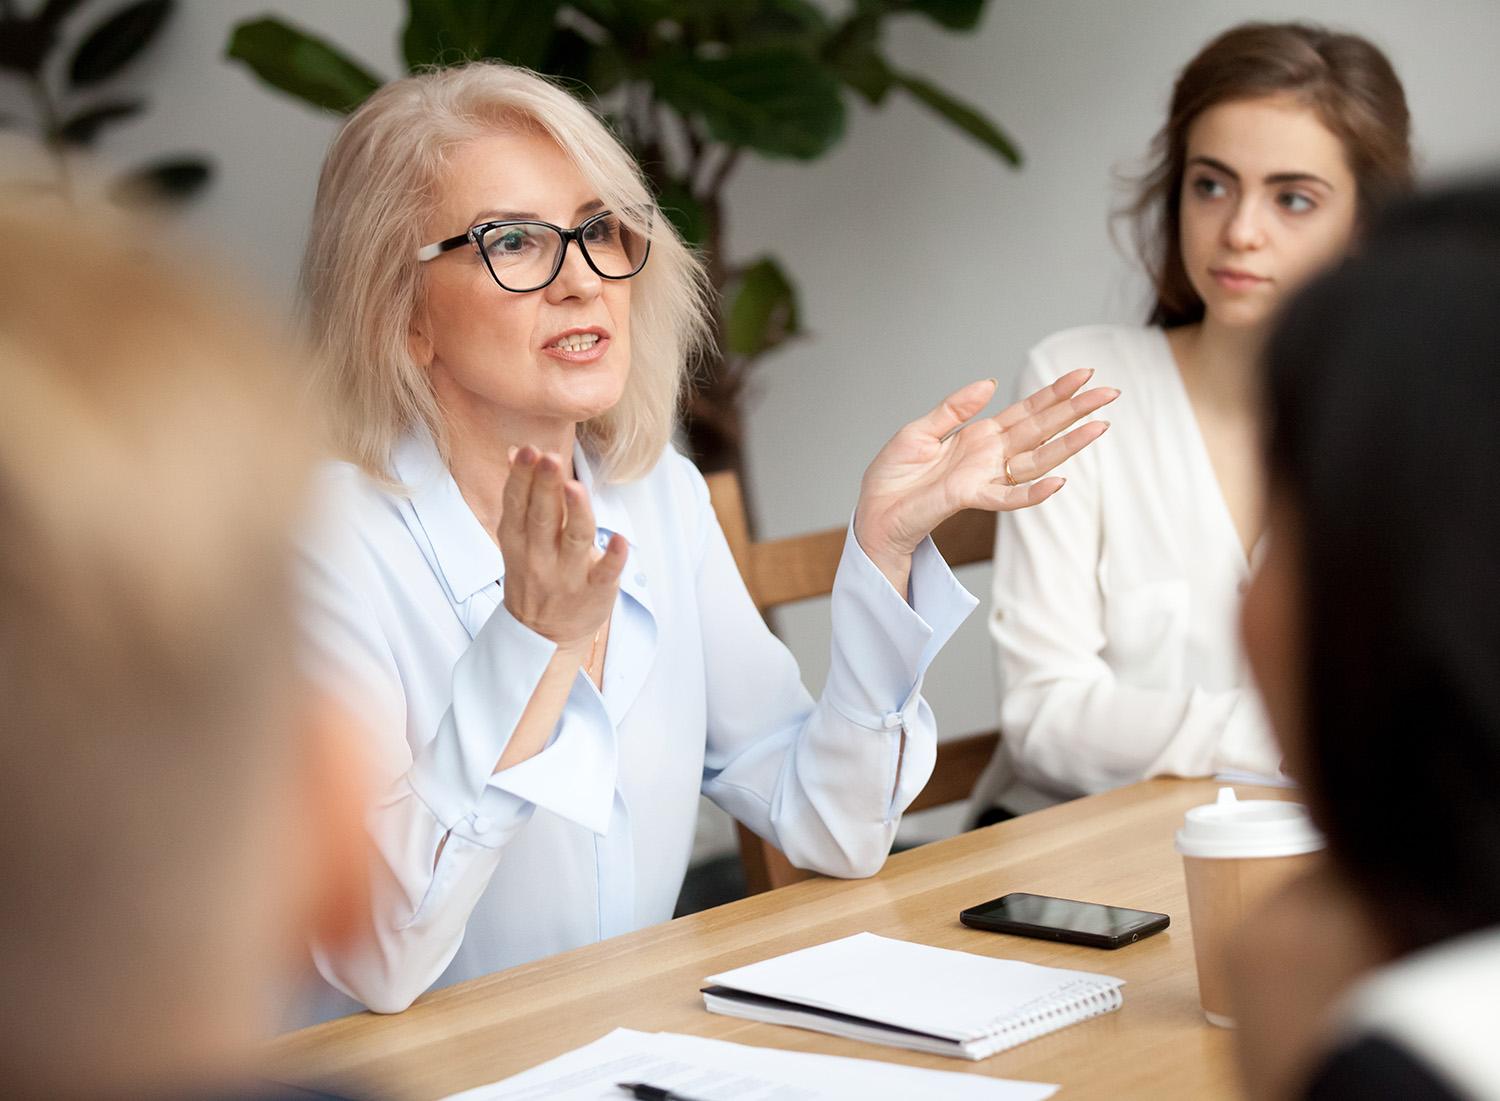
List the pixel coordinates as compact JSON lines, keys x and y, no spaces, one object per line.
{"x":1234,"y":854}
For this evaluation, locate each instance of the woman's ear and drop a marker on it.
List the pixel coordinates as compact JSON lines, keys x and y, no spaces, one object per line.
{"x":419,"y":341}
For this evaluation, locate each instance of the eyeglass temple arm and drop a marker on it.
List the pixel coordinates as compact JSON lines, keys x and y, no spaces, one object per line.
{"x":432,"y":252}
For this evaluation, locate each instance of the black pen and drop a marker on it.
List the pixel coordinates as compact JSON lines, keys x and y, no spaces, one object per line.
{"x":643,"y":1092}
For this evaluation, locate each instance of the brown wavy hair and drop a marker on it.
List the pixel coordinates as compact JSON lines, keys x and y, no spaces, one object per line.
{"x":1343,"y":77}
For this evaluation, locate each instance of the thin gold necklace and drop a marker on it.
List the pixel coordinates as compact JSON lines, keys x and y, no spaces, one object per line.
{"x":593,"y":649}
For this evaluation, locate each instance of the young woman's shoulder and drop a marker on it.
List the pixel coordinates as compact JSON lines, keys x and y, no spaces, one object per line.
{"x":1116,"y":353}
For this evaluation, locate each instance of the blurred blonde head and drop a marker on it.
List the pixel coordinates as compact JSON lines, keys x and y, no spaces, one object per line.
{"x":151,"y":472}
{"x":363,"y":284}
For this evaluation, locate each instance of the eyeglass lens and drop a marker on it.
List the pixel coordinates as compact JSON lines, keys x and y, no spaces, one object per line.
{"x":524,"y":255}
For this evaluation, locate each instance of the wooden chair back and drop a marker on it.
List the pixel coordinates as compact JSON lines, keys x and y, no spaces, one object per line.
{"x":800,"y":567}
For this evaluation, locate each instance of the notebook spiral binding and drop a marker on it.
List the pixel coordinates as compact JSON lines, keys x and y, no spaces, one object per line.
{"x":1076,"y":1002}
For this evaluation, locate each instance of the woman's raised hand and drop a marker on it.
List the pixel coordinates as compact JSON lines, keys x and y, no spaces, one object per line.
{"x":930,"y":469}
{"x":555,"y":583}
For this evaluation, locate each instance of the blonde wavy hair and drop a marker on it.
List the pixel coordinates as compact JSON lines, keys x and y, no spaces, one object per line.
{"x":362,"y":283}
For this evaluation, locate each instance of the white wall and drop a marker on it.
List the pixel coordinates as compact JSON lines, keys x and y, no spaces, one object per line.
{"x":923,"y":262}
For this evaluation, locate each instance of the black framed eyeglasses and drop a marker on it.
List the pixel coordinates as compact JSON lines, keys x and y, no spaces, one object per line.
{"x":526,"y":256}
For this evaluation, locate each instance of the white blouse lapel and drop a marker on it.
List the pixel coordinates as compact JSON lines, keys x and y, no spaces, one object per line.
{"x":633,"y":632}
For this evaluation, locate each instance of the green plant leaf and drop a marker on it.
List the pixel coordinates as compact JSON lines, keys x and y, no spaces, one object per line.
{"x":867,"y":74}
{"x":625,"y":19}
{"x":301,"y":65}
{"x":763,"y":312}
{"x":114,"y":43}
{"x":749,"y":24}
{"x":25,"y":44}
{"x":956,"y":15}
{"x":447,"y":32}
{"x":781,"y":103}
{"x":685,"y":212}
{"x":165,"y":181}
{"x":571,"y":56}
{"x":961,"y":115}
{"x":53,"y":12}
{"x":853,"y":52}
{"x":84,"y":127}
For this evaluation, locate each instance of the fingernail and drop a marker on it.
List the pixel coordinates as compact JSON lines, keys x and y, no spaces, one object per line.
{"x":993,"y":381}
{"x":510,"y":453}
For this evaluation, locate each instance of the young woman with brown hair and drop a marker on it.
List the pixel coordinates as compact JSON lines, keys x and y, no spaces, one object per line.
{"x":1115,"y":607}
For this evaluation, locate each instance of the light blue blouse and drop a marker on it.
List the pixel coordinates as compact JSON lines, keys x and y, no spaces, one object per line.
{"x":591,"y":837}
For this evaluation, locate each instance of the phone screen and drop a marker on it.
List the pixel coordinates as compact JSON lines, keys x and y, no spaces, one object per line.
{"x":1090,"y":918}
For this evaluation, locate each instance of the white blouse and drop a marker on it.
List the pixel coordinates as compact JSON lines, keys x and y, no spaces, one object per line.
{"x":1439,"y":1006}
{"x":1116,"y":603}
{"x":591,"y":837}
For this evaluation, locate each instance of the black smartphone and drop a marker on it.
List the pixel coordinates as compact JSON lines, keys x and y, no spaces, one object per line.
{"x":1064,"y":919}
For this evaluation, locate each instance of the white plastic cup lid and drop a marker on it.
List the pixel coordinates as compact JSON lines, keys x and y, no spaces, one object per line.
{"x":1232,"y":827}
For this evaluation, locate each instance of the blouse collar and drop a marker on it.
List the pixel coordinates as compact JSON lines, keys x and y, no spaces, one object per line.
{"x":466,"y":555}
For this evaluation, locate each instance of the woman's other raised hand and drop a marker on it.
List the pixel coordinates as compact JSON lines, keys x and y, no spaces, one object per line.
{"x":942,"y":463}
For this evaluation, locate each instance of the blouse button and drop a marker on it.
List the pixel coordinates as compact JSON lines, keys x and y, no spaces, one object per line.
{"x":482,"y":824}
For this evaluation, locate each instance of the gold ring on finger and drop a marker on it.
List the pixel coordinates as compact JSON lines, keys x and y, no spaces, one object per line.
{"x":1009,"y":477}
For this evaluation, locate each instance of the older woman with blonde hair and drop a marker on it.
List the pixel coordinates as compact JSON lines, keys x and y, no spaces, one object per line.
{"x":522,"y":584}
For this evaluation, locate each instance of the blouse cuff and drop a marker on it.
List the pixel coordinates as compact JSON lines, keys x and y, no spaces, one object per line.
{"x":574,"y":776}
{"x":882,"y":645}
{"x":1247,"y":744}
{"x":492,"y":684}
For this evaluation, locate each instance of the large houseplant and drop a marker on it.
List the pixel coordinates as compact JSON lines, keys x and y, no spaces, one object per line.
{"x":690,"y":86}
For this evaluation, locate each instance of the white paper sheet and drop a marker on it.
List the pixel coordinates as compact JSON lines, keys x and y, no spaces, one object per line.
{"x":715,"y":1070}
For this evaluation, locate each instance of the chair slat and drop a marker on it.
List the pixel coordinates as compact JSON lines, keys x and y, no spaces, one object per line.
{"x":800,"y":567}
{"x":784,"y":571}
{"x":966,"y":537}
{"x":959,"y":763}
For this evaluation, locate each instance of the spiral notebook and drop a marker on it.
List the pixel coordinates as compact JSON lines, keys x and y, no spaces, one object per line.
{"x":914,"y":996}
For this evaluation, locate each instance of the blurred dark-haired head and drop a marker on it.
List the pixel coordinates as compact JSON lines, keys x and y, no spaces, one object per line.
{"x":1374,"y":625}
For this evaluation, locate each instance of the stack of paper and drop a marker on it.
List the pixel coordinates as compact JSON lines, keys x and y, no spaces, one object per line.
{"x":713,"y":1070}
{"x":912,"y":995}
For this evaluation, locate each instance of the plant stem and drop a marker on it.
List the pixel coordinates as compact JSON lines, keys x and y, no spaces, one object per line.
{"x":697,"y":150}
{"x":639,"y":109}
{"x":721,"y":174}
{"x":50,"y":124}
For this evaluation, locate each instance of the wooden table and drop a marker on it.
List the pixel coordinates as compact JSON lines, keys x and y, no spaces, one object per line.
{"x":1114,"y":848}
